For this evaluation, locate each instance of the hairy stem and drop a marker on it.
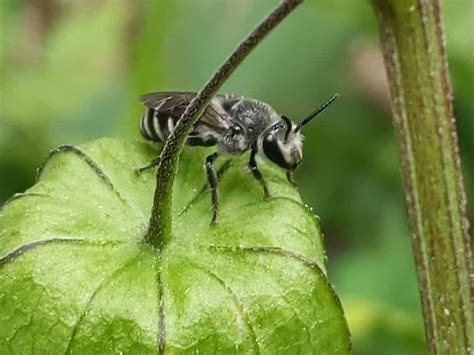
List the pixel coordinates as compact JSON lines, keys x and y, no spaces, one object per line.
{"x":159,"y":230}
{"x":413,"y":43}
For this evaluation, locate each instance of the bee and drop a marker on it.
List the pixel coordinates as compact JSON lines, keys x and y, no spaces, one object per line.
{"x":234,"y":125}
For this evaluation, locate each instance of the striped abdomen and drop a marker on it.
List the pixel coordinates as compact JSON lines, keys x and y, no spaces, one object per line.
{"x":155,"y":126}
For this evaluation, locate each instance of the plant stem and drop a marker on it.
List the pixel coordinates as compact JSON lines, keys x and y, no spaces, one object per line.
{"x":159,"y":230}
{"x":413,"y":44}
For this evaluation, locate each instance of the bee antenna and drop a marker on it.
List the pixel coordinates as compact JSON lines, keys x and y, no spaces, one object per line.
{"x":316,"y":112}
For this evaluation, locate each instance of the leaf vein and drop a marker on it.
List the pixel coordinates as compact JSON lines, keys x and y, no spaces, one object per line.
{"x":105,"y":282}
{"x":22,"y":195}
{"x":38,"y":243}
{"x":93,"y":165}
{"x":235,"y":299}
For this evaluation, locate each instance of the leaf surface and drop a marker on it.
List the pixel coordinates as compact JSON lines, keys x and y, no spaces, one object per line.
{"x":76,"y":276}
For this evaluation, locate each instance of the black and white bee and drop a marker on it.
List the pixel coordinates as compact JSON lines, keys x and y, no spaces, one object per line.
{"x":235,"y":125}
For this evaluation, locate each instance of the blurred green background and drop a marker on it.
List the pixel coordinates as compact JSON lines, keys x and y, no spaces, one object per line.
{"x":71,"y":71}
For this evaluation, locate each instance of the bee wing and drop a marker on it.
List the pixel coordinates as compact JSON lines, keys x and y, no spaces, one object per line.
{"x":166,"y":101}
{"x":216,"y":117}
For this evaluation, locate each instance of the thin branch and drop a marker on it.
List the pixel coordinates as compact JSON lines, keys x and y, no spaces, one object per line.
{"x":159,"y":230}
{"x":412,"y":38}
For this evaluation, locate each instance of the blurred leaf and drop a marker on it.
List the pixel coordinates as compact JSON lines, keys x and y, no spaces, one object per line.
{"x":42,"y":105}
{"x":147,"y":70}
{"x":380,"y":329}
{"x":78,"y":64}
{"x":73,"y":245}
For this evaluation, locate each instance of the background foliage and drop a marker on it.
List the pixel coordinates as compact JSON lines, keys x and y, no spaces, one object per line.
{"x":71,"y":71}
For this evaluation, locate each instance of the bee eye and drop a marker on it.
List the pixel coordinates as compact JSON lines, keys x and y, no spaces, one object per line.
{"x":236,"y":129}
{"x":273,"y":151}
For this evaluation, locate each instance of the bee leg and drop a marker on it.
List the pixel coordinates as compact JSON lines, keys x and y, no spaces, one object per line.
{"x":153,"y":163}
{"x":289,"y":177}
{"x":212,"y":180}
{"x":257,"y":174}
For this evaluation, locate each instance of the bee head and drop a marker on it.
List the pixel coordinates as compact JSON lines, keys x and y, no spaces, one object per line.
{"x":282,"y":142}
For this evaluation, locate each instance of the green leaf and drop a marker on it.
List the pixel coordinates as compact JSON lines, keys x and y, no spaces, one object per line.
{"x":76,"y":276}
